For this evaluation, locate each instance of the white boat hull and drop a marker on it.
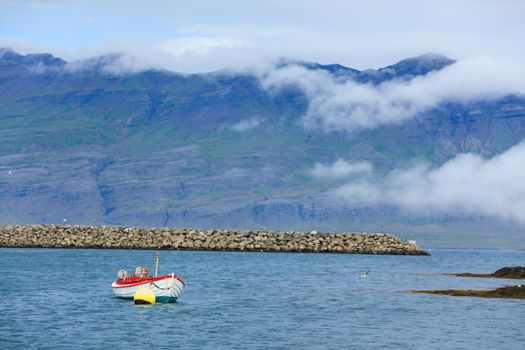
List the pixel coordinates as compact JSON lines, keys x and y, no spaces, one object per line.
{"x":166,"y":290}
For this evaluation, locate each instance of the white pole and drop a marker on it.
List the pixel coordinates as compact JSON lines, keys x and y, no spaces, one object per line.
{"x":157,"y":261}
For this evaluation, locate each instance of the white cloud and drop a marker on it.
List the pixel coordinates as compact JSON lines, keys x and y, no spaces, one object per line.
{"x":468,"y":183}
{"x":235,"y":173}
{"x":246,"y":124}
{"x":189,"y":54}
{"x":337,"y":104}
{"x":340,"y":169}
{"x":201,"y":45}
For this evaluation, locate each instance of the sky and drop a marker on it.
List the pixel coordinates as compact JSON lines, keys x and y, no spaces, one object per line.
{"x":200,"y":36}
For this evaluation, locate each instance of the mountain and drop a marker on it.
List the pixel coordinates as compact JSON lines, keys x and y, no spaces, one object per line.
{"x":407,"y":69}
{"x":403,"y":70}
{"x":85,"y":145}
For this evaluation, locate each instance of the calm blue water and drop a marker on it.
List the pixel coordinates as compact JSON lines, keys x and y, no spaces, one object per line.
{"x":54,"y":298}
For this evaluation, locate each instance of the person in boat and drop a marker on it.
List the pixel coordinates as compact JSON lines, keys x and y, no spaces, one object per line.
{"x":141,"y":272}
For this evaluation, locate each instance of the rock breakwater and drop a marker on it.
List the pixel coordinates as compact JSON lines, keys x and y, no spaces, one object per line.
{"x":119,"y":237}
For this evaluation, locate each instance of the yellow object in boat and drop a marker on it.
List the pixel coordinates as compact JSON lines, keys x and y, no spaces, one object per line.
{"x":144,"y":296}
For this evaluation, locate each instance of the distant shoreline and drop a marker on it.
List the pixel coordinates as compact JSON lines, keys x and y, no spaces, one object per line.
{"x":120,"y":237}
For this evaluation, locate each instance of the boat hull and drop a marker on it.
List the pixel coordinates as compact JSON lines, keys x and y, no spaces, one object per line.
{"x":167,"y":289}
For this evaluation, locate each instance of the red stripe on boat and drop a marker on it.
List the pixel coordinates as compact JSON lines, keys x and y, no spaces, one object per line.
{"x":135,"y":281}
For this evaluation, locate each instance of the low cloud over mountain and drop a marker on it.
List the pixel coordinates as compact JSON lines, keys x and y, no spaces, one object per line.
{"x":341,"y":103}
{"x":467,"y":183}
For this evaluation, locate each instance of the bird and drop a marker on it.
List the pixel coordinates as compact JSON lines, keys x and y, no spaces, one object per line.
{"x":365,"y":275}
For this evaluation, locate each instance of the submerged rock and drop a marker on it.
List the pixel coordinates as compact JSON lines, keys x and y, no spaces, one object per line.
{"x":511,"y":292}
{"x":514,"y":272}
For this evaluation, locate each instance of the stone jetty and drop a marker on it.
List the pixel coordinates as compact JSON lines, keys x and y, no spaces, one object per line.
{"x":119,"y":237}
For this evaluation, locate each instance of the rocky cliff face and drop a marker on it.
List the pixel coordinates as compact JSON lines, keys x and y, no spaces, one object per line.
{"x":213,"y":150}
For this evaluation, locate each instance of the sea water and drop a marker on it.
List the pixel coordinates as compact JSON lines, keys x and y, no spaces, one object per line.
{"x":62,"y":298}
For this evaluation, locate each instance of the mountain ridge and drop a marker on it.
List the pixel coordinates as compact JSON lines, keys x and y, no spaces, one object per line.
{"x":406,"y":68}
{"x":164,"y":149}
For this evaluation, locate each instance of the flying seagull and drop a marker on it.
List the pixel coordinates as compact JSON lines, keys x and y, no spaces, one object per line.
{"x":365,"y":275}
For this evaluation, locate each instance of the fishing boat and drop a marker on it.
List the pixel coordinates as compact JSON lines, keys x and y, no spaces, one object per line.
{"x":167,"y":288}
